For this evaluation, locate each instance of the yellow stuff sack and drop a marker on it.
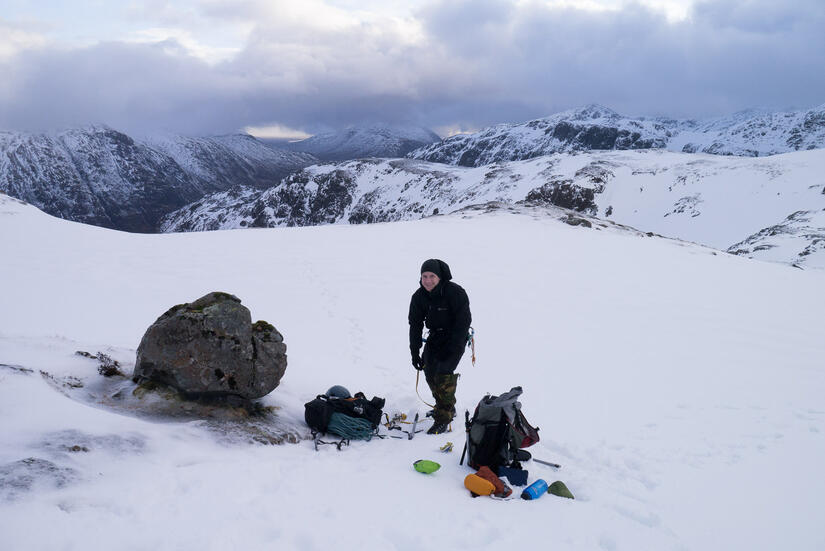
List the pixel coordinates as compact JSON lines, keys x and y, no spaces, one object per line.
{"x":478,"y":486}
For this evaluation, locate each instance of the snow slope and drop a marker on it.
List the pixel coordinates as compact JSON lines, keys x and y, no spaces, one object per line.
{"x":680,"y":388}
{"x":720,"y":201}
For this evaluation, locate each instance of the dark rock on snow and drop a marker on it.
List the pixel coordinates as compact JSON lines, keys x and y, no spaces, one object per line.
{"x":210,"y":348}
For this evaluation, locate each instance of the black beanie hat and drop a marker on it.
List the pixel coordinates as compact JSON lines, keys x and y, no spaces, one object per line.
{"x":438,"y":267}
{"x":431,"y":265}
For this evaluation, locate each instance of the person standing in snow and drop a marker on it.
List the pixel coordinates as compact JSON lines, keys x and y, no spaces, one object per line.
{"x":443,"y":306}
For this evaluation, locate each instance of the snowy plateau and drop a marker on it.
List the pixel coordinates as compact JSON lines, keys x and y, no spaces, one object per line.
{"x":679,"y":387}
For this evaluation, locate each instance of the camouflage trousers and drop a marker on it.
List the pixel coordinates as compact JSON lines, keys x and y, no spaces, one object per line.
{"x":443,"y":388}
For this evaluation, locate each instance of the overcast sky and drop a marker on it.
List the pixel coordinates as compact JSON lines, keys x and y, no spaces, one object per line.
{"x":304,"y":66}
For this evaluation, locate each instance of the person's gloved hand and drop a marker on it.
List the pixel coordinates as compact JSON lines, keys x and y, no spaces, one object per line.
{"x":416,"y":361}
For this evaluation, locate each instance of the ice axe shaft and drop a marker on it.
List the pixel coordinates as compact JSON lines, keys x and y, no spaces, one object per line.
{"x":415,"y":422}
{"x":467,"y":428}
{"x":554,"y":465}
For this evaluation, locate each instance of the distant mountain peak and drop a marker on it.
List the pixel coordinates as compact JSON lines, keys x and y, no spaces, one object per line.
{"x":367,"y":140}
{"x":592,"y":111}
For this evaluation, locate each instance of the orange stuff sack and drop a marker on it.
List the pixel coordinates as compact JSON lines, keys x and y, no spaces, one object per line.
{"x":478,"y":486}
{"x":501,"y":489}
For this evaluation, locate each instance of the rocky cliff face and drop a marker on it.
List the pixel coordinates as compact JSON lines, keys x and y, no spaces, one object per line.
{"x":356,"y":192}
{"x":595,"y":127}
{"x":103,"y":177}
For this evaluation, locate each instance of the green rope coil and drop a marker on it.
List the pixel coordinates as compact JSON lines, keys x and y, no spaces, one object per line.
{"x":350,"y":427}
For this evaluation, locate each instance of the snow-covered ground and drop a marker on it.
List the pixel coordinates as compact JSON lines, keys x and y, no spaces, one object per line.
{"x":679,"y":387}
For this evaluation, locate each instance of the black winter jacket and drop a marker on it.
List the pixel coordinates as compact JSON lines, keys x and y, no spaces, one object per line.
{"x":446,"y":313}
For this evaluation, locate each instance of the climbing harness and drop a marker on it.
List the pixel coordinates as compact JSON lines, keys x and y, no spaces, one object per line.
{"x":396,"y":418}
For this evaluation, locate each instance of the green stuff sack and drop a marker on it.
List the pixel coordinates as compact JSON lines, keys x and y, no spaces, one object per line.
{"x":558,"y":488}
{"x":426,"y":466}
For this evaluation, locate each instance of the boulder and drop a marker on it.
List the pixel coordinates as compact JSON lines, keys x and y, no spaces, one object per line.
{"x":211,"y":348}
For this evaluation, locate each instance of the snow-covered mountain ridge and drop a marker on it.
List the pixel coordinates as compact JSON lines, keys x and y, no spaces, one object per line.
{"x":595,"y":127}
{"x":103,"y":177}
{"x":714,"y":200}
{"x":100,"y":176}
{"x":356,"y":142}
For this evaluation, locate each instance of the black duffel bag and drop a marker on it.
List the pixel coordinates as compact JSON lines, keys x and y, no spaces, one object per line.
{"x":318,"y":412}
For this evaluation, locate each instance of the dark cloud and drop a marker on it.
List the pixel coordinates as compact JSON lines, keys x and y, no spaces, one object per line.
{"x":479,"y":63}
{"x":637,"y":62}
{"x":135,"y":87}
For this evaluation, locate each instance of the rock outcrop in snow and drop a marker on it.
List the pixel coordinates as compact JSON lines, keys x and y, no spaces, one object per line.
{"x":803,"y":233}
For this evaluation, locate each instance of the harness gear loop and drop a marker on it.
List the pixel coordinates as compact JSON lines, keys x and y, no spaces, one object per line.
{"x":417,"y":376}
